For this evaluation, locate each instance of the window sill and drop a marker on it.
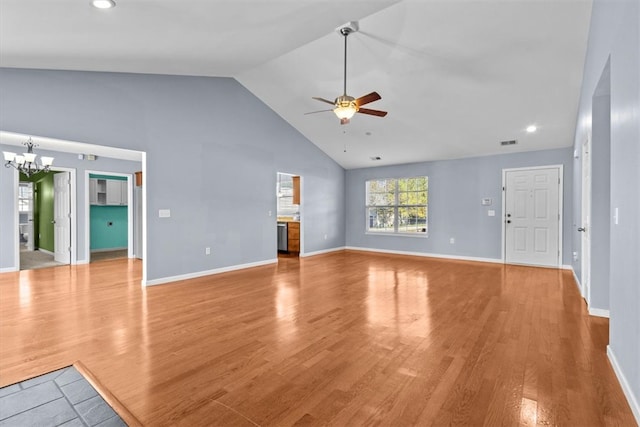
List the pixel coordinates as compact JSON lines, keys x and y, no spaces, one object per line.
{"x":413,"y":235}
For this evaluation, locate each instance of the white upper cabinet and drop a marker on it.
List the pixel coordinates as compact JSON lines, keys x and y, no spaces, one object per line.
{"x":109,"y":192}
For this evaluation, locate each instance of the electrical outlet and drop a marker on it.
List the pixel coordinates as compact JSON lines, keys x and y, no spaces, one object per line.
{"x":270,"y":213}
{"x":575,"y":256}
{"x":207,"y":251}
{"x":452,"y":240}
{"x":325,"y":236}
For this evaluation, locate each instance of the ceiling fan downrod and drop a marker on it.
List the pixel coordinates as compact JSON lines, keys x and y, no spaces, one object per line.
{"x":345,"y":31}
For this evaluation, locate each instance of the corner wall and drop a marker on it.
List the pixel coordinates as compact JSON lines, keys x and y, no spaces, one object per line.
{"x":212,"y":153}
{"x":614,"y":35}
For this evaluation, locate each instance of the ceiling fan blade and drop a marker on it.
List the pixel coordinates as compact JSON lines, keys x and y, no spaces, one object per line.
{"x":373,"y":96}
{"x":319,"y":111}
{"x":322,"y":100}
{"x":344,"y":121}
{"x":372,"y":112}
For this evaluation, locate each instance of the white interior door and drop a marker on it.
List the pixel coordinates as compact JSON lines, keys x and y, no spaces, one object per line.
{"x":532,"y":216}
{"x":62,"y":217}
{"x":585,"y":279}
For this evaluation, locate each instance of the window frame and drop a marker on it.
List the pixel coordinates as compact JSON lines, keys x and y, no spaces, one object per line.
{"x":396,"y":206}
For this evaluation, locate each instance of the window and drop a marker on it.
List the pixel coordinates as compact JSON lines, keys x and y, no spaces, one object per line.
{"x":397,"y":206}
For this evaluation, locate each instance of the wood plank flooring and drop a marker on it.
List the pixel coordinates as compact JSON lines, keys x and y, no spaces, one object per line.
{"x":347,"y":338}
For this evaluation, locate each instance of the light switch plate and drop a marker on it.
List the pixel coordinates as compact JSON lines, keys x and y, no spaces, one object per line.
{"x":164,"y":213}
{"x":487,"y":201}
{"x":491,"y":212}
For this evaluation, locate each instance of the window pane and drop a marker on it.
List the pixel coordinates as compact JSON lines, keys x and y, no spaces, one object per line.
{"x":381,"y":219}
{"x":381,"y":192}
{"x":412,"y":219}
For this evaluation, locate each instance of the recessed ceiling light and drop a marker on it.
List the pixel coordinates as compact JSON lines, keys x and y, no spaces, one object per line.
{"x":103,"y":4}
{"x":531,"y":128}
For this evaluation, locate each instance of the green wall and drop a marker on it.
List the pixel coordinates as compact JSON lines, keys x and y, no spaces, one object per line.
{"x":105,"y":236}
{"x":44,"y":213}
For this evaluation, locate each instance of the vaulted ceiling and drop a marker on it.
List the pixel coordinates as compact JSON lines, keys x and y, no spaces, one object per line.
{"x":457,"y":77}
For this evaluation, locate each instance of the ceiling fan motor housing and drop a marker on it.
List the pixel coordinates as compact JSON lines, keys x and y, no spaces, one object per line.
{"x":346,"y":101}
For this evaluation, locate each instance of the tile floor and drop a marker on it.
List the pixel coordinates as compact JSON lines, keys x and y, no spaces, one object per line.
{"x":59,"y":398}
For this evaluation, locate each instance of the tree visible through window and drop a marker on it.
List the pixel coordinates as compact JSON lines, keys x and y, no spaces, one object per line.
{"x":397,"y":205}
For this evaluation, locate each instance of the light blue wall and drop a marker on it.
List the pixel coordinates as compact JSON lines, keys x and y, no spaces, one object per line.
{"x":456,"y":188}
{"x":225,"y":145}
{"x":614,"y":36}
{"x":61,"y":159}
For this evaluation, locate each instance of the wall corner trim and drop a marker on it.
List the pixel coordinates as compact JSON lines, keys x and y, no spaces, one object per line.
{"x":626,"y":388}
{"x":323,"y":251}
{"x":196,"y":274}
{"x":427,"y":255}
{"x":598,"y":312}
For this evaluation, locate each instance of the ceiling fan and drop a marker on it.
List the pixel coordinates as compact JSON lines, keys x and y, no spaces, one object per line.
{"x":346,"y":106}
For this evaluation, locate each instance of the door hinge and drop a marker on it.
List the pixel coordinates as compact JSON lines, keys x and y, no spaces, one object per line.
{"x":502,"y":188}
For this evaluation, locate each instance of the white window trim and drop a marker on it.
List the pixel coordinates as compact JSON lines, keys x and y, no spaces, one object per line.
{"x":395,"y":206}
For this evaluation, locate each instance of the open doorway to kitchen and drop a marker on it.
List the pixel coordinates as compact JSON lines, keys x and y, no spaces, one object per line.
{"x":110,"y":221}
{"x":289,"y":203}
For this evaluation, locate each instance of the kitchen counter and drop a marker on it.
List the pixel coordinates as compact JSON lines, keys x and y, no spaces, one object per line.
{"x":286,"y":219}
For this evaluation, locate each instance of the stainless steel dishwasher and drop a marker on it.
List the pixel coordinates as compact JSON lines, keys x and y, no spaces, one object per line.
{"x":283,"y":237}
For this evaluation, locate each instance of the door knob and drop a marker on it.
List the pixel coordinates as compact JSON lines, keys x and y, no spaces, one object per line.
{"x":508,"y":215}
{"x":53,"y":222}
{"x":508,"y":221}
{"x":582,"y":229}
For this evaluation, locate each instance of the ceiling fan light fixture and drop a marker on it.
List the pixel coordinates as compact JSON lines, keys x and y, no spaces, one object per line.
{"x":103,"y":4}
{"x":345,"y":112}
{"x":346,"y":107}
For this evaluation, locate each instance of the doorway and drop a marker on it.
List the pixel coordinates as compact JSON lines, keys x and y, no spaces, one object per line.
{"x":532,"y":206}
{"x":289,"y":215}
{"x":45,"y":219}
{"x":596,"y":201}
{"x":109,"y":215}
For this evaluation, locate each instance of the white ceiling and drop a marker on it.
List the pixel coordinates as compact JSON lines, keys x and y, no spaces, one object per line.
{"x":455,"y":76}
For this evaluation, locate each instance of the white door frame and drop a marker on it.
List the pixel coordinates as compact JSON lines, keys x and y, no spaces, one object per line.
{"x":585,"y":220}
{"x":560,"y":205}
{"x":300,"y":209}
{"x":72,"y":182}
{"x":87,"y":216}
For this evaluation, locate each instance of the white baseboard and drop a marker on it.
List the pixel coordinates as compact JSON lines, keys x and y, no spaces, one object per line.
{"x":626,"y":388}
{"x":164,"y":280}
{"x":82,"y":261}
{"x":426,"y":254}
{"x":46,"y":252}
{"x":323,"y":251}
{"x":578,"y":284}
{"x":599,"y":312}
{"x":110,"y":249}
{"x":9,"y":270}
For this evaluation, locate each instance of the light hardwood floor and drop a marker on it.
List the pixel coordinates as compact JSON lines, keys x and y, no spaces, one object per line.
{"x":344,"y":339}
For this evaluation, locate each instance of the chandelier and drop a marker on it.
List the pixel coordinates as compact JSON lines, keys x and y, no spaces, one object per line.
{"x":26,"y":163}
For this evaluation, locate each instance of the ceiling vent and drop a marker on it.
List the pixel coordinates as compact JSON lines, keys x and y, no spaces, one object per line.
{"x":511,"y":142}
